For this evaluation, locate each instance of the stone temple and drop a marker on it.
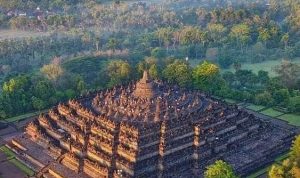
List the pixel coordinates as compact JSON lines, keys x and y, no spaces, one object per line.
{"x":147,"y":129}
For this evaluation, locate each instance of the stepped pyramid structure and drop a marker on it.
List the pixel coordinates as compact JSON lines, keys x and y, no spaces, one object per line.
{"x":147,"y":129}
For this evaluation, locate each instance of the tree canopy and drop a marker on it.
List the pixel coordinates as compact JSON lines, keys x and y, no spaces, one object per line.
{"x":290,"y":167}
{"x":119,"y":72}
{"x":219,"y":169}
{"x":206,"y":77}
{"x":178,"y":73}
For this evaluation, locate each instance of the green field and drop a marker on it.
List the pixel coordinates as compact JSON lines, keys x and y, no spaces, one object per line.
{"x":293,"y":119}
{"x":11,"y":156}
{"x":266,"y":66}
{"x":230,"y":101}
{"x":255,"y":107}
{"x":271,"y":112}
{"x":24,"y":116}
{"x":86,"y":67}
{"x":22,"y":167}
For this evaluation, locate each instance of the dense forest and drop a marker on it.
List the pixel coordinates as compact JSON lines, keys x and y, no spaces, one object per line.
{"x":91,"y":45}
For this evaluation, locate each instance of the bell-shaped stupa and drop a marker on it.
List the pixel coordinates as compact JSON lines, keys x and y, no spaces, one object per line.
{"x":145,"y":88}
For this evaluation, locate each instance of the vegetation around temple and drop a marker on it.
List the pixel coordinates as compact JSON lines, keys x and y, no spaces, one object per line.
{"x":219,"y":169}
{"x":111,"y":42}
{"x":58,"y":82}
{"x":11,"y":156}
{"x":290,"y":166}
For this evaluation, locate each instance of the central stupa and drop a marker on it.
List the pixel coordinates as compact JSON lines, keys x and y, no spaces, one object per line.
{"x":146,"y":101}
{"x":145,"y":88}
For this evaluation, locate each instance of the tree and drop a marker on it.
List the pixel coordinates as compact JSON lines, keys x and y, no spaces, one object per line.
{"x":276,"y":171}
{"x":179,"y":73}
{"x":87,"y":37}
{"x":112,"y":44}
{"x":80,"y":86}
{"x":237,"y":65}
{"x":206,"y":76}
{"x":16,"y":95}
{"x":264,"y":98}
{"x":43,"y":90}
{"x":153,"y":71}
{"x":18,"y":22}
{"x":96,"y":40}
{"x":56,"y":4}
{"x":289,"y":74}
{"x":11,"y":4}
{"x":164,"y":36}
{"x":263,"y":77}
{"x":15,"y":84}
{"x":192,"y":37}
{"x":264,"y":35}
{"x":152,"y":65}
{"x":259,"y":52}
{"x":281,"y":97}
{"x":220,"y":169}
{"x":295,"y":149}
{"x":294,"y":19}
{"x":70,"y":93}
{"x":246,"y":78}
{"x":119,"y":71}
{"x":216,"y":32}
{"x":240,"y":33}
{"x":290,"y":166}
{"x":229,"y":77}
{"x":52,"y":71}
{"x":225,"y":60}
{"x":38,"y":103}
{"x":294,"y":104}
{"x":285,"y":40}
{"x":158,"y":53}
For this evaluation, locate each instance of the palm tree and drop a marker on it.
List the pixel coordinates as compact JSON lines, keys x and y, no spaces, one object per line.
{"x":285,"y":40}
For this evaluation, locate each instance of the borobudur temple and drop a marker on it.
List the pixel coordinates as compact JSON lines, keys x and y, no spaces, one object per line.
{"x":148,"y":129}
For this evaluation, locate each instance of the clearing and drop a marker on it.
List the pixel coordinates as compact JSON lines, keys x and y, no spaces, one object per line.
{"x":8,"y":34}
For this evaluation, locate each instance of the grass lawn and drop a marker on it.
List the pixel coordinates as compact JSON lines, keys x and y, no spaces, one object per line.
{"x":271,"y":112}
{"x":266,"y":66}
{"x":291,"y":118}
{"x":230,"y":101}
{"x":24,"y":116}
{"x":22,"y":167}
{"x":12,"y":159}
{"x":88,"y":67}
{"x":7,"y":152}
{"x":255,"y":107}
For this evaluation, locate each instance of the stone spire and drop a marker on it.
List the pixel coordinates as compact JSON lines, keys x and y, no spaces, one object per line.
{"x":145,"y":87}
{"x":145,"y":78}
